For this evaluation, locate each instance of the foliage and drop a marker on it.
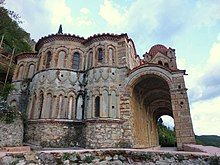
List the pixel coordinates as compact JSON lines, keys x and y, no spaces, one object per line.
{"x":6,"y":90}
{"x":180,"y":158}
{"x":167,"y":155}
{"x":214,"y":160}
{"x":166,"y":135}
{"x":89,"y":159}
{"x":14,"y":35}
{"x":8,"y":114}
{"x":208,"y":140}
{"x":66,"y":156}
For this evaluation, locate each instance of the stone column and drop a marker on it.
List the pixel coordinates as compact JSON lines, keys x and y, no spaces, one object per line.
{"x":86,"y":57}
{"x":93,"y":106}
{"x":106,"y":55}
{"x":109,"y":104}
{"x":89,"y":107}
{"x":54,"y":107}
{"x":70,"y":107}
{"x":60,"y":100}
{"x":102,"y":114}
{"x":117,"y":106}
{"x":182,"y":118}
{"x":126,"y":114}
{"x":93,"y":57}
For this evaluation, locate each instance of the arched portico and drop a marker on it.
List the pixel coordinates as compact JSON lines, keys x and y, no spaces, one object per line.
{"x":155,"y":92}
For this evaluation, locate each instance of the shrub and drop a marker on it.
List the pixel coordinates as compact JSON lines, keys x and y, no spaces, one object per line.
{"x":89,"y":159}
{"x":8,"y":114}
{"x":214,"y":160}
{"x":6,"y":90}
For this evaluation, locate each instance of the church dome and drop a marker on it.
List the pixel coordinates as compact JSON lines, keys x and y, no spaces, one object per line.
{"x":158,"y":48}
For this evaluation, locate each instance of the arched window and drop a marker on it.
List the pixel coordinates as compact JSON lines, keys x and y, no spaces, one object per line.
{"x":166,"y":64}
{"x":20,"y":72}
{"x":49,"y":58}
{"x":33,"y":106}
{"x":44,"y":58}
{"x":41,"y":101}
{"x":38,"y":64}
{"x":55,"y":104}
{"x":160,"y":63}
{"x":105,"y":103}
{"x":31,"y":70}
{"x":97,"y":106}
{"x":89,"y":64}
{"x":100,"y":54}
{"x":60,"y":105}
{"x":76,"y":60}
{"x":79,"y":108}
{"x":61,"y":59}
{"x":48,"y":107}
{"x":111,"y":56}
{"x":71,"y":109}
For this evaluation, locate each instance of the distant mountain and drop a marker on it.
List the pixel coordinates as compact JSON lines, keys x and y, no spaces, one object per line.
{"x":208,"y":140}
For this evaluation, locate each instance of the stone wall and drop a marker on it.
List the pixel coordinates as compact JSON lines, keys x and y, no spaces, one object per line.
{"x":112,"y":157}
{"x":48,"y":133}
{"x":100,"y":133}
{"x":11,"y":134}
{"x":103,"y":133}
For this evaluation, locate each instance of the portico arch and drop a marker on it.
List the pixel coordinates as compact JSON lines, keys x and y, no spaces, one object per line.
{"x":152,"y":94}
{"x":150,"y":99}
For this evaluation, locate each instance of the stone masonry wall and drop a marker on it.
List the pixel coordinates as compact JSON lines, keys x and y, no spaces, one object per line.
{"x":55,"y":134}
{"x":11,"y":134}
{"x":112,"y":157}
{"x":103,"y":134}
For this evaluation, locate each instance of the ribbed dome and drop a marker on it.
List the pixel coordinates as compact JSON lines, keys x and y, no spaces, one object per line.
{"x":158,"y":48}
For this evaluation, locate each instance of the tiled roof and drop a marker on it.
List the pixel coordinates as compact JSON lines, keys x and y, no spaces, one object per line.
{"x":158,"y":48}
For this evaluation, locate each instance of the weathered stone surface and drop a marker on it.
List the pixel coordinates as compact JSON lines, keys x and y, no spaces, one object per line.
{"x":55,"y":134}
{"x":102,"y":157}
{"x":11,"y":134}
{"x":103,"y":135}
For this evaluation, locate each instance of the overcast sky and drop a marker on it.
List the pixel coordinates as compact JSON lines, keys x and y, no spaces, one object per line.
{"x":192,"y":27}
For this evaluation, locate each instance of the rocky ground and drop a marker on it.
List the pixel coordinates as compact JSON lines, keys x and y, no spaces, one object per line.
{"x":107,"y":156}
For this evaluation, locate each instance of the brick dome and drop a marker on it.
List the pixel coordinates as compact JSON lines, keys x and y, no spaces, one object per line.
{"x":158,"y":48}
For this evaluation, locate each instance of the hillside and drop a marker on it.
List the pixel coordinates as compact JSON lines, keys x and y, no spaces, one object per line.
{"x":167,"y":137}
{"x":208,"y":140}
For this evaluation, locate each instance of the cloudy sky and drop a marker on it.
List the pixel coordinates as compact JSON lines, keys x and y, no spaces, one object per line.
{"x":192,"y":27}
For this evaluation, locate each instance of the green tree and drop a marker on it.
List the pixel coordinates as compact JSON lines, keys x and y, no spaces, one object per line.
{"x":14,"y":35}
{"x":8,"y":88}
{"x":166,"y":135}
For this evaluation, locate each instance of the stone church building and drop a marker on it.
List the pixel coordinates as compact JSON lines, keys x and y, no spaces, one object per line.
{"x":98,"y":93}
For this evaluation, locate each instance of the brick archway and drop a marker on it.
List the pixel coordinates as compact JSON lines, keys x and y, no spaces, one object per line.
{"x":152,"y":94}
{"x":137,"y":74}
